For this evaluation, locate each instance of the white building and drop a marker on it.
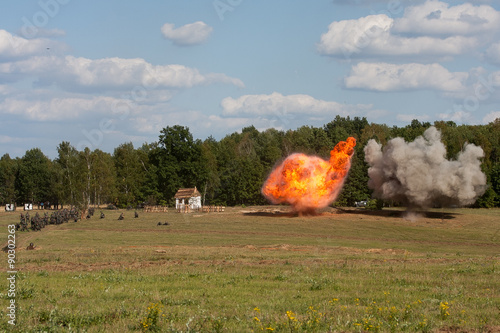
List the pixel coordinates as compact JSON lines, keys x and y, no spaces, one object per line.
{"x":188,"y":199}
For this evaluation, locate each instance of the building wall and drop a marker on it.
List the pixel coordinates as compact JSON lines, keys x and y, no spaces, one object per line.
{"x":193,"y":202}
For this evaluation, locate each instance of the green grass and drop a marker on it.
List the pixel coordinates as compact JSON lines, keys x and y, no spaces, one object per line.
{"x":342,"y":271}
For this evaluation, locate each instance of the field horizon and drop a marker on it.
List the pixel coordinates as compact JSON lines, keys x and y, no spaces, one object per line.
{"x":260,"y":268}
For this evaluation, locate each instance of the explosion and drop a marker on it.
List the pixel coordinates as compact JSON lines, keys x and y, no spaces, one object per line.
{"x":309,"y":182}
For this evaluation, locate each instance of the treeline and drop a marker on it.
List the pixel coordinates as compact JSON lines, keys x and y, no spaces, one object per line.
{"x":227,"y":172}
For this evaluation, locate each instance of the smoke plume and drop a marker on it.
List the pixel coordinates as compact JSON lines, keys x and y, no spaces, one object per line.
{"x":419,"y":175}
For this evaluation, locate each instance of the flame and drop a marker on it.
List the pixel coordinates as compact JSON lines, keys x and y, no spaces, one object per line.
{"x":309,"y":182}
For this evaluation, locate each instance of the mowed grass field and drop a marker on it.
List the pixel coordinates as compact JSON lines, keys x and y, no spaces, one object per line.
{"x":256,"y":269}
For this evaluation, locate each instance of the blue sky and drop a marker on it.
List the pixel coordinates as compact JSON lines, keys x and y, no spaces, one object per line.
{"x":102,"y":73}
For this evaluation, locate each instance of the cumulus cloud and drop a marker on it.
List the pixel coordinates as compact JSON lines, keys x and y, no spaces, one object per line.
{"x":431,"y":30}
{"x":60,"y":108}
{"x":457,"y":117}
{"x":491,"y":117}
{"x":492,"y":54}
{"x":5,"y":89}
{"x":202,"y":125}
{"x":439,"y":18}
{"x":15,"y":47}
{"x":6,"y":139}
{"x":391,"y":77}
{"x":288,"y":111}
{"x":372,"y":36}
{"x":75,"y":73}
{"x":481,"y":88}
{"x":276,"y":103}
{"x":189,"y":34}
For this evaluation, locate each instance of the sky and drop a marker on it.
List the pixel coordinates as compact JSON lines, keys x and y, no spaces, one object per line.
{"x":102,"y":73}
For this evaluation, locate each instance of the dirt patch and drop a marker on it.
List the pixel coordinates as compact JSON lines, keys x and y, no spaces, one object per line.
{"x":456,"y":329}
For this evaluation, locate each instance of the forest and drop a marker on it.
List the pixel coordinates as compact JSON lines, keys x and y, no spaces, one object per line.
{"x":228,"y":172}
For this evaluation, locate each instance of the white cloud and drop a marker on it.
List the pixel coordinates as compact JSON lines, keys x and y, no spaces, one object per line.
{"x":14,"y":47}
{"x":457,"y":117}
{"x":287,"y":111}
{"x":439,"y":18}
{"x":75,"y":73}
{"x":492,"y":54}
{"x":60,"y":108}
{"x":391,"y":77}
{"x":491,"y":117}
{"x":189,"y":34}
{"x":372,"y":36}
{"x":5,"y":89}
{"x":481,"y":88}
{"x":6,"y":139}
{"x":278,"y":105}
{"x":200,"y":124}
{"x":433,"y":29}
{"x":409,"y":117}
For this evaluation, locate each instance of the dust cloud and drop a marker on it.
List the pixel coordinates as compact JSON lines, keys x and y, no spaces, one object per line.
{"x":418,"y":174}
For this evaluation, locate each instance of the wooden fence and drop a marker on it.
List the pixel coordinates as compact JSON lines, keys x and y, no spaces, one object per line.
{"x":204,"y":209}
{"x":185,"y":209}
{"x":156,"y":209}
{"x":210,"y":209}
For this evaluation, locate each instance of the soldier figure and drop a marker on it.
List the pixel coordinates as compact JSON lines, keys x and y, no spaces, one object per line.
{"x":102,"y":215}
{"x":23,"y":225}
{"x":121,"y":217}
{"x":136,"y":215}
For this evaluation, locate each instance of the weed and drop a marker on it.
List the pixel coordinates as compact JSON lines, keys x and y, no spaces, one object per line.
{"x":443,"y":310}
{"x":150,"y":322}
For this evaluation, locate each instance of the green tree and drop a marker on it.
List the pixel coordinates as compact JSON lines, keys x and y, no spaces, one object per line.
{"x":103,"y":178}
{"x":130,"y":174}
{"x":150,"y":190}
{"x":8,"y":170}
{"x":270,"y":148}
{"x":410,"y":132}
{"x":341,"y":128}
{"x":209,"y":150}
{"x":355,"y":187}
{"x":179,"y":161}
{"x":67,"y":166}
{"x":241,"y":171}
{"x":34,"y":182}
{"x":87,"y":166}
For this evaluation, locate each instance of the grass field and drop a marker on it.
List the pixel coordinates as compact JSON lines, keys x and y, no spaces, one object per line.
{"x":255,"y":269}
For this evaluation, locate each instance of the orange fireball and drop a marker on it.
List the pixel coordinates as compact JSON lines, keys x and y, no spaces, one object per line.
{"x":309,"y":182}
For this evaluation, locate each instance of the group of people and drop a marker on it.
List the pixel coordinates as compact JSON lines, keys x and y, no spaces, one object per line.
{"x":37,"y":222}
{"x":121,"y":217}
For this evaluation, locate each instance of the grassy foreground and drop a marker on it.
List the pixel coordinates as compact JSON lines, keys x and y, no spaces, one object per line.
{"x":252,"y":269}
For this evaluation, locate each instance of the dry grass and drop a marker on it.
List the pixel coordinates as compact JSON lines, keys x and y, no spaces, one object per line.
{"x":243,"y":269}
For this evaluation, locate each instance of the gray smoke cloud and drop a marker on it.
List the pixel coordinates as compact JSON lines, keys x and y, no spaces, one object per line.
{"x":419,"y":175}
